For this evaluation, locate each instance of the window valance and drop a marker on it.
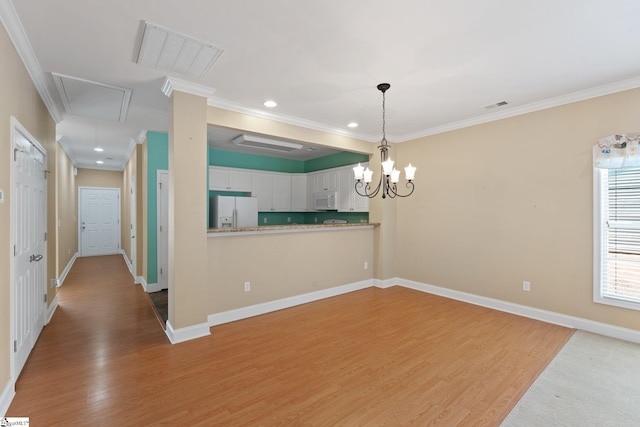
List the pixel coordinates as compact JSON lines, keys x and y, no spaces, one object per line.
{"x":617,"y":151}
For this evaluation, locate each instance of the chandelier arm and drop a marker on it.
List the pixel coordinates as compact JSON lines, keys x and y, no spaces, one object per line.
{"x":367,"y":188}
{"x":408,"y":185}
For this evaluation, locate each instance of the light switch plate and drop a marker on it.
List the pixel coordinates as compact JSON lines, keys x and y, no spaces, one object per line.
{"x":1,"y":196}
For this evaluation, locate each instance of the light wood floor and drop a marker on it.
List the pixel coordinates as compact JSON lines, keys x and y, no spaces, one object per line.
{"x":373,"y":357}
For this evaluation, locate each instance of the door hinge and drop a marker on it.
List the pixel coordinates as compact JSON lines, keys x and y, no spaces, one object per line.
{"x":45,"y":236}
{"x":161,"y":271}
{"x":160,"y":184}
{"x":131,"y":225}
{"x":45,"y":297}
{"x":160,"y":228}
{"x":15,"y":346}
{"x":15,"y":250}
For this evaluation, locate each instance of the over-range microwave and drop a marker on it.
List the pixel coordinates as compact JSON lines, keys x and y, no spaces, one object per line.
{"x":325,"y":200}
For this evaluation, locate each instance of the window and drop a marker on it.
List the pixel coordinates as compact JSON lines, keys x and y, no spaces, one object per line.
{"x":617,"y":237}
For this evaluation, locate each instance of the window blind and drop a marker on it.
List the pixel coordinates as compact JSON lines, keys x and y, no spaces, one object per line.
{"x":621,"y":234}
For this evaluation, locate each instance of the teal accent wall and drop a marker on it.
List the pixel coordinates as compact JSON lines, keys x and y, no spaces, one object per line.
{"x":287,"y":218}
{"x":252,"y":161}
{"x":275,"y":164}
{"x":158,"y":159}
{"x":334,"y":160}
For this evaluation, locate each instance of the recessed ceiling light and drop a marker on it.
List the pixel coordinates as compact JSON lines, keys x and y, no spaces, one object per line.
{"x":98,"y":149}
{"x":99,"y":162}
{"x":352,"y":125}
{"x":270,"y":104}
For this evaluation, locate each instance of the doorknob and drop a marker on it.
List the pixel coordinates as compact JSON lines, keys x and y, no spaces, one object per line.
{"x":35,"y":258}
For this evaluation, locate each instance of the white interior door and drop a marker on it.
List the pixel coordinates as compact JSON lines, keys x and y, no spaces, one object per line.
{"x":162,"y":229}
{"x":28,"y":227}
{"x":99,"y":221}
{"x":132,"y":204}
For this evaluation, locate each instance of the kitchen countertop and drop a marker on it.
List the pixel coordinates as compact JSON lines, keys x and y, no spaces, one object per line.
{"x":288,"y":228}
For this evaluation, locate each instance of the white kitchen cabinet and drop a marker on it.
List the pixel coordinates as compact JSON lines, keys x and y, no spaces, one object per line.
{"x":273,"y":191}
{"x":229,"y":179}
{"x":327,"y":181}
{"x":299,"y":199}
{"x":281,"y":195}
{"x":348,"y":199}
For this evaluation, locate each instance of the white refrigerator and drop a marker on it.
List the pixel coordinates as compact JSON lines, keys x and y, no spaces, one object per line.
{"x":232,"y":212}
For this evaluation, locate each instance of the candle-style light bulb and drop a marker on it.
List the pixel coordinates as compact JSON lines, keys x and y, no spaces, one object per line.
{"x":368,"y":175}
{"x":358,"y":171}
{"x":410,"y":172}
{"x":387,"y":166}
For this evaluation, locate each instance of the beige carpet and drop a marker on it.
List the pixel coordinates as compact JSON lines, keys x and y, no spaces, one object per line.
{"x":593,"y":381}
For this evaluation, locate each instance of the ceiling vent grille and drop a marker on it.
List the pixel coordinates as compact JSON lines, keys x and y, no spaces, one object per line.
{"x":266,"y":143}
{"x":166,"y":50}
{"x":496,"y":105}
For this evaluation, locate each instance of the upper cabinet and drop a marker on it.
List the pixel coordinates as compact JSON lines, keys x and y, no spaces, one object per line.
{"x":286,"y":192}
{"x":349,"y":199}
{"x":299,"y":193}
{"x":229,"y":179}
{"x":273,"y":191}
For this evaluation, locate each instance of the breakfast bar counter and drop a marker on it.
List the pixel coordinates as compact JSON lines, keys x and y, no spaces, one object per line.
{"x":290,"y":228}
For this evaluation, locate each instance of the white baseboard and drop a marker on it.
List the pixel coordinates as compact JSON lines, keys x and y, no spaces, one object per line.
{"x":6,"y":397}
{"x":66,"y":270}
{"x":267,"y":307}
{"x":185,"y":334}
{"x":51,"y":309}
{"x":382,"y":284}
{"x":151,"y":287}
{"x":526,"y":311}
{"x":139,"y":280}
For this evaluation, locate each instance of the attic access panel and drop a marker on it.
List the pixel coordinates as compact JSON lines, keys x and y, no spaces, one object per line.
{"x":91,"y":99}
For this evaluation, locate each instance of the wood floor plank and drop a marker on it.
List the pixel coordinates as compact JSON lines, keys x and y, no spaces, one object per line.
{"x":373,"y":357}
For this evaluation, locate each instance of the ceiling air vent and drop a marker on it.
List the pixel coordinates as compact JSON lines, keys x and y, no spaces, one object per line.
{"x":496,"y":105}
{"x":266,"y":143}
{"x":167,"y":50}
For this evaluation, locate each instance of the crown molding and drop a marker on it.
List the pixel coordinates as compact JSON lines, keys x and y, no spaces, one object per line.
{"x":170,"y":84}
{"x":282,"y":118}
{"x":141,"y":137}
{"x":15,"y":30}
{"x":581,"y":95}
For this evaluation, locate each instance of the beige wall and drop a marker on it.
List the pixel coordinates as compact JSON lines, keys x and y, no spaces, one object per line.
{"x":125,"y":231}
{"x":280,"y":266}
{"x":187,"y":258}
{"x":21,"y":100}
{"x":66,"y":212}
{"x":143,"y":195}
{"x":99,"y":178}
{"x":509,"y":201}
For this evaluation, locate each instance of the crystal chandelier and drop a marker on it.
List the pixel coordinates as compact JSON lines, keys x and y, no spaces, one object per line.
{"x":389,"y":176}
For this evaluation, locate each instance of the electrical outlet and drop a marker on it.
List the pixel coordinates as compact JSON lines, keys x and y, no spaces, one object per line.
{"x":288,"y":219}
{"x":264,"y":220}
{"x":247,"y":286}
{"x":526,"y":286}
{"x":366,"y":265}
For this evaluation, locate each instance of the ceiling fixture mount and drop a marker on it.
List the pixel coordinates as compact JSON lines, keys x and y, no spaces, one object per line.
{"x":352,"y":125}
{"x":98,"y":149}
{"x":270,"y":104}
{"x":389,"y":176}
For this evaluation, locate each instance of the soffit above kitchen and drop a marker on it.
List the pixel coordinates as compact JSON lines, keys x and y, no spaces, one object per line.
{"x":321,"y":61}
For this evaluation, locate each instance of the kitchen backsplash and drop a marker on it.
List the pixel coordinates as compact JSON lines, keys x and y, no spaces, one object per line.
{"x":284,"y":218}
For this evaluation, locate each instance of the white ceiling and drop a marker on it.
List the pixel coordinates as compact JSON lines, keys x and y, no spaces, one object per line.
{"x":321,"y":61}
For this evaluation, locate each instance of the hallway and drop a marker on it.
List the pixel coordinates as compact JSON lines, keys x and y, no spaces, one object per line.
{"x":87,"y":364}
